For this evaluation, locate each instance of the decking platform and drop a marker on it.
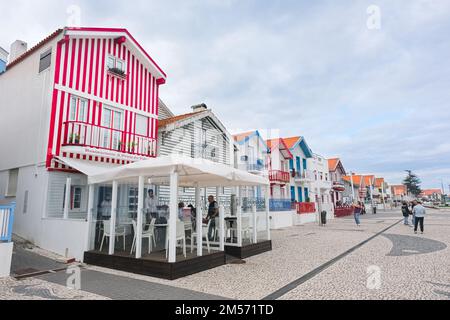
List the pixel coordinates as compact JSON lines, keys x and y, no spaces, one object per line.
{"x":155,"y":264}
{"x":249,"y":250}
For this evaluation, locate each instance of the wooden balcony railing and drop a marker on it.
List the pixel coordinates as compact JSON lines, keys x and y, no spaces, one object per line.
{"x":279,"y":176}
{"x":89,"y":135}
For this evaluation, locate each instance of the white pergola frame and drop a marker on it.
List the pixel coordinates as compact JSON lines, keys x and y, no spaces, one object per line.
{"x":175,"y":171}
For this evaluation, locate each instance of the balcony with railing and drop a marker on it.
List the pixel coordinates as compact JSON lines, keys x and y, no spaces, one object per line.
{"x":279,"y":176}
{"x":255,"y":167}
{"x":82,"y":134}
{"x":280,"y":205}
{"x":303,"y":176}
{"x":305,"y":207}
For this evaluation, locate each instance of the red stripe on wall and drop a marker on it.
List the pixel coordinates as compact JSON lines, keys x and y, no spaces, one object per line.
{"x":95,"y":74}
{"x":72,"y":63}
{"x":80,"y":51}
{"x":86,"y":51}
{"x":92,"y":72}
{"x":54,"y":105}
{"x":107,"y":75}
{"x":102,"y":68}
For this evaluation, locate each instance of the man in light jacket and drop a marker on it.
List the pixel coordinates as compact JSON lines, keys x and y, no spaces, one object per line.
{"x":419,"y":216}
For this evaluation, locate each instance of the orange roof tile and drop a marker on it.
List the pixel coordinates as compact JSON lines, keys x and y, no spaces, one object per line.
{"x":290,"y":142}
{"x":273,"y":143}
{"x":368,"y":180}
{"x":357,"y":179}
{"x":242,"y":136}
{"x":332,"y":164}
{"x":165,"y":122}
{"x":379,"y":182}
{"x":430,"y":192}
{"x":399,"y":190}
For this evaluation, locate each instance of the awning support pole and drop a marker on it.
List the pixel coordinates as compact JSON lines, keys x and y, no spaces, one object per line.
{"x":173,"y":217}
{"x":90,"y":211}
{"x":67,"y":198}
{"x":140,"y":218}
{"x":222,"y":228}
{"x":199,"y":221}
{"x":267,"y":199}
{"x":239,"y":216}
{"x":112,"y":230}
{"x":255,"y":222}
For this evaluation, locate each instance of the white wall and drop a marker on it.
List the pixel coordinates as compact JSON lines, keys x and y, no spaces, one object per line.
{"x":6,"y":250}
{"x":60,"y":235}
{"x":282,"y":219}
{"x":54,"y":235}
{"x":28,"y":224}
{"x":4,"y":176}
{"x":25,"y":107}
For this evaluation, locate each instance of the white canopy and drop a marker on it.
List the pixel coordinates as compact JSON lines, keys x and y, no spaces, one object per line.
{"x":86,"y":167}
{"x":191,"y":171}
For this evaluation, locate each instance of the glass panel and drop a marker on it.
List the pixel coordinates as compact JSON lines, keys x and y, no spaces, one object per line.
{"x":141,"y":125}
{"x":73,"y":109}
{"x":111,"y":62}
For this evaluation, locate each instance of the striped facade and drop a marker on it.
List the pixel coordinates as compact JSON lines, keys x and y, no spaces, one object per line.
{"x":81,"y":76}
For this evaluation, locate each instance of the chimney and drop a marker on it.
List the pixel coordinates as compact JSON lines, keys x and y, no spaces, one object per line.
{"x":3,"y":59}
{"x":199,"y":107}
{"x":17,"y":49}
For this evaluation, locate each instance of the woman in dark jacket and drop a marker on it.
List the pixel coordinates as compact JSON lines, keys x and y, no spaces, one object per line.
{"x":406,"y":212}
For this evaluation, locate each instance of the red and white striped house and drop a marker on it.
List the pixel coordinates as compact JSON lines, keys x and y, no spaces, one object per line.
{"x":81,"y":93}
{"x":104,"y":99}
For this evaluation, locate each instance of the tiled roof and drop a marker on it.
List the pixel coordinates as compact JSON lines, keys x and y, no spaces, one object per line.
{"x":399,"y":190}
{"x":165,"y":122}
{"x":290,"y":142}
{"x":379,"y":182}
{"x":273,"y":143}
{"x":368,"y":180}
{"x":430,"y":192}
{"x":332,"y":164}
{"x":357,"y":179}
{"x":33,"y":49}
{"x":241,"y":136}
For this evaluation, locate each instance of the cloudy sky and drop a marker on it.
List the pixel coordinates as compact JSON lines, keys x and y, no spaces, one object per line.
{"x":376,"y":97}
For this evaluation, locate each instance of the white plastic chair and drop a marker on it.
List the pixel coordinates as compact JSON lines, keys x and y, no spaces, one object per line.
{"x":147,"y":234}
{"x":120,"y":232}
{"x":180,"y":236}
{"x":246,"y":228}
{"x":205,"y":229}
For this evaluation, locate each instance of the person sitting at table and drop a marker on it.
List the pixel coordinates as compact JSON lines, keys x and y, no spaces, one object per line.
{"x":151,"y":206}
{"x":180,"y":211}
{"x":213,"y":213}
{"x":193,"y":216}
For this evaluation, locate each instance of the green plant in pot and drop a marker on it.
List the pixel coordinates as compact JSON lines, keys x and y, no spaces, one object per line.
{"x":131,"y":146}
{"x":74,"y":138}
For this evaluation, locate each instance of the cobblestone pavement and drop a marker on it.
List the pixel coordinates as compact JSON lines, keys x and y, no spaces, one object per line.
{"x":36,"y":289}
{"x":296,"y":252}
{"x":411,"y":266}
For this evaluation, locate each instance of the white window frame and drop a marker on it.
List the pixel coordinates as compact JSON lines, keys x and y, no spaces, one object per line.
{"x":78,"y":101}
{"x":115,"y":59}
{"x":139,"y":116}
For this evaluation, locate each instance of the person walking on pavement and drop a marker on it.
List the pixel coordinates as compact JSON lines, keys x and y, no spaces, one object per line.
{"x":357,"y":213}
{"x":413,"y":204}
{"x":406,"y":212}
{"x":419,"y":216}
